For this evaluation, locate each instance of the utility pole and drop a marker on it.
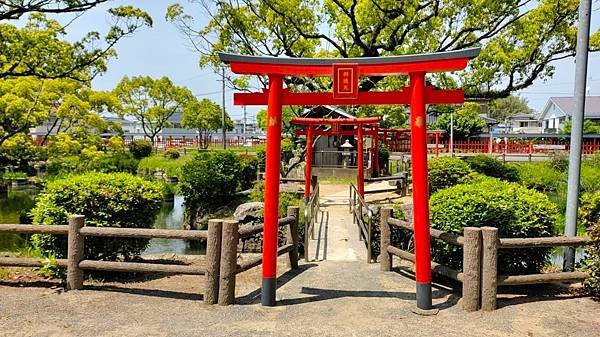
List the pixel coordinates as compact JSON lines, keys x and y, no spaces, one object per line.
{"x":223,"y":124}
{"x":452,"y":133}
{"x":244,"y":125}
{"x":581,"y":60}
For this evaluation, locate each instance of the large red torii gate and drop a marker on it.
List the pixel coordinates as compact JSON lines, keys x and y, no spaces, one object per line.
{"x":346,"y":73}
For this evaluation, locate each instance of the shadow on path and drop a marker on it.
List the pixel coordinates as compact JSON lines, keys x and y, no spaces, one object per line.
{"x":147,"y":292}
{"x":329,"y":294}
{"x":254,"y":296}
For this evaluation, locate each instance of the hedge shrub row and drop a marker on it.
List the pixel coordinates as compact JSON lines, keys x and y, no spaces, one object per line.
{"x":515,"y":210}
{"x":106,"y":200}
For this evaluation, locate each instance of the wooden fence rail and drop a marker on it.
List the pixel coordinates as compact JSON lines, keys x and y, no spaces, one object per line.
{"x":232,"y":233}
{"x":76,"y":264}
{"x":490,"y":278}
{"x":480,"y":259}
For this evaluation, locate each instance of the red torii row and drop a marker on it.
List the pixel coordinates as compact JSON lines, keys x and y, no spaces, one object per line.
{"x":372,"y":123}
{"x":346,"y":73}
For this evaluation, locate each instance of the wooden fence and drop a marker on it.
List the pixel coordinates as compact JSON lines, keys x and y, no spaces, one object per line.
{"x":220,"y":265}
{"x":479,"y":277}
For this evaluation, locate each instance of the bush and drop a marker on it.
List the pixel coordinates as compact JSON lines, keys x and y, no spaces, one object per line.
{"x":560,"y":162}
{"x":171,"y":167}
{"x":119,"y":161}
{"x":447,"y":171}
{"x":140,"y":148}
{"x":516,"y":212}
{"x":590,"y":176}
{"x":19,"y":150}
{"x":210,"y":178}
{"x":172,"y":154}
{"x":591,"y":262}
{"x":492,"y":168}
{"x":540,"y":176}
{"x":589,"y":209}
{"x":248,"y":170}
{"x":261,"y":154}
{"x":106,"y":200}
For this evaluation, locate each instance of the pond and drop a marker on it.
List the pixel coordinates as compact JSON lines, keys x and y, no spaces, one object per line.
{"x":18,"y":201}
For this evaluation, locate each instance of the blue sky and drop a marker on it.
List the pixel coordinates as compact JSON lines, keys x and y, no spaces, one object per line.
{"x":161,"y":51}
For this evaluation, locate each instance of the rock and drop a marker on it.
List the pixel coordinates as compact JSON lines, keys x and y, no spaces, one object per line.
{"x":407,"y":209}
{"x":249,"y":211}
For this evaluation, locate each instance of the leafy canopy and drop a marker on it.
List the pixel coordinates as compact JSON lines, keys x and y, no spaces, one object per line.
{"x":151,"y":101}
{"x":502,"y":108}
{"x":466,"y":121}
{"x":520,"y":39}
{"x":38,"y":49}
{"x":206,"y":116}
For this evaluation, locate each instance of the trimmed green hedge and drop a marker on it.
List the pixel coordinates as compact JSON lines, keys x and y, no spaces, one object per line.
{"x":106,"y":200}
{"x":447,"y":171}
{"x":140,"y":148}
{"x":515,"y":210}
{"x":210,"y":178}
{"x":492,"y":167}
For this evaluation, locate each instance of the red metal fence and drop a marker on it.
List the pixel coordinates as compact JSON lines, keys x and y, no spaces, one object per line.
{"x":511,"y":145}
{"x":175,"y":142}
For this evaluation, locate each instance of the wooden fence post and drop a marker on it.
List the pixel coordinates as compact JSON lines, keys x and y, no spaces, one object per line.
{"x":489,"y":276}
{"x":471,"y":288}
{"x":228,"y":266}
{"x":75,"y":252}
{"x":385,"y":258}
{"x":213,"y":261}
{"x":292,"y":235}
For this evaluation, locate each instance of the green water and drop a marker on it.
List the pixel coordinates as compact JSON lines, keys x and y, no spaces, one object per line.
{"x":12,"y":204}
{"x":16,"y":201}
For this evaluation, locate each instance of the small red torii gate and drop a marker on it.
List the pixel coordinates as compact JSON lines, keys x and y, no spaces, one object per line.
{"x":361,"y":123}
{"x":346,"y":73}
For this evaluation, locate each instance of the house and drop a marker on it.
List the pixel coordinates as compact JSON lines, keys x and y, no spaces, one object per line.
{"x":524,"y":123}
{"x":560,"y":109}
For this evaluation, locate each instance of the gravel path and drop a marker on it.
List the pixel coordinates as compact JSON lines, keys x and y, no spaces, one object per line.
{"x":339,"y":296}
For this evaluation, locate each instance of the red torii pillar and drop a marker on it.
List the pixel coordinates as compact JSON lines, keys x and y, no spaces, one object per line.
{"x":308,"y":166}
{"x":271,"y":216}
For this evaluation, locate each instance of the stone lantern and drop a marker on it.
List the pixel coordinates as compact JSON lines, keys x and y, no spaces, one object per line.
{"x":346,"y":147}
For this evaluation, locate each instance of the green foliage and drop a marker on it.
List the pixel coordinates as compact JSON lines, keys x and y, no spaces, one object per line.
{"x":502,"y":108}
{"x":210,"y":178}
{"x":466,"y":121}
{"x":140,"y":148}
{"x":205,"y":116}
{"x":540,"y":176}
{"x":106,"y":200}
{"x":171,"y":167}
{"x":151,"y":101}
{"x":590,"y":176}
{"x":591,"y":262}
{"x":248,"y":170}
{"x":392,"y":116}
{"x":560,"y":162}
{"x":261,"y":154}
{"x":444,"y":172}
{"x":493,"y":168}
{"x":589,"y":127}
{"x":519,"y":39}
{"x":20,"y":150}
{"x":172,"y":154}
{"x":92,"y":160}
{"x":515,"y":210}
{"x":589,"y":209}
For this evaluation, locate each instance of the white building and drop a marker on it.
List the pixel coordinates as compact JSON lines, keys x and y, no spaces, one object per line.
{"x":560,"y":109}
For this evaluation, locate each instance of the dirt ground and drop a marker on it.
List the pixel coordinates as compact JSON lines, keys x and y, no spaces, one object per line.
{"x":337,"y":296}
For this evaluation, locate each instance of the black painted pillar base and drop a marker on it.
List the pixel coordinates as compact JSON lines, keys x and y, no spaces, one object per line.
{"x":268,"y":290}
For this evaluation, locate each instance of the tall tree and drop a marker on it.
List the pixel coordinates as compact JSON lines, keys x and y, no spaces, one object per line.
{"x":206,"y":117}
{"x":38,"y":48}
{"x":502,"y":108}
{"x":15,"y":9}
{"x":520,"y":39}
{"x":466,"y":121}
{"x":151,"y":101}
